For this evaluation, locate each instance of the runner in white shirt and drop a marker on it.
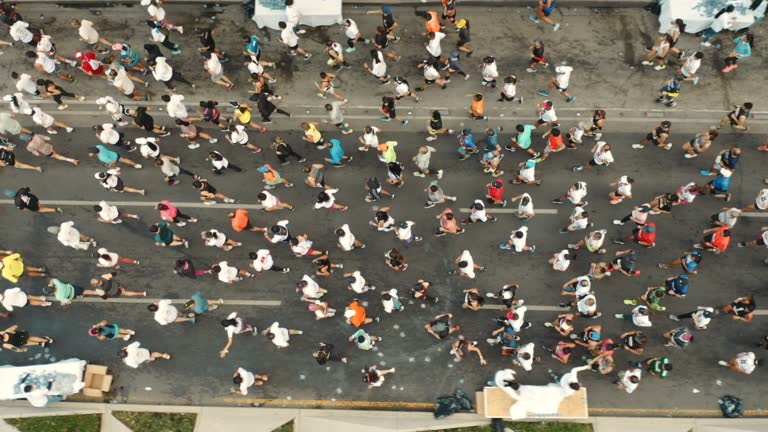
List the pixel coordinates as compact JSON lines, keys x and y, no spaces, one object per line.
{"x":216,"y":238}
{"x":18,"y":104}
{"x":744,"y":362}
{"x":148,"y":147}
{"x":639,"y":316}
{"x":576,"y":194}
{"x":509,"y":90}
{"x":105,"y":258}
{"x":569,"y":381}
{"x":25,"y":83}
{"x":761,"y":201}
{"x":19,"y":32}
{"x":547,"y":114}
{"x":110,"y":214}
{"x":68,"y":235}
{"x":629,"y":379}
{"x":490,"y":72}
{"x":90,"y":36}
{"x":701,"y":317}
{"x":289,"y":38}
{"x":157,"y":13}
{"x":165,"y":313}
{"x":309,"y":289}
{"x":245,"y":379}
{"x":578,"y":286}
{"x":579,"y":220}
{"x":728,"y":217}
{"x":560,"y":81}
{"x":272,"y":203}
{"x":15,"y":297}
{"x":518,"y":241}
{"x":623,"y":189}
{"x":262,"y":260}
{"x":561,"y":260}
{"x":133,"y":355}
{"x":346,"y":240}
{"x":357,"y":283}
{"x":377,"y":67}
{"x":525,"y":357}
{"x":404,"y":232}
{"x":292,"y":16}
{"x":327,"y":199}
{"x":691,"y":66}
{"x":353,"y":34}
{"x":229,"y":274}
{"x":234,"y":325}
{"x":216,"y":70}
{"x":280,"y":335}
{"x":587,"y":306}
{"x":433,"y":44}
{"x":114,"y":109}
{"x":47,"y":121}
{"x":175,"y":106}
{"x":369,"y":138}
{"x":465,"y":266}
{"x":478,"y":213}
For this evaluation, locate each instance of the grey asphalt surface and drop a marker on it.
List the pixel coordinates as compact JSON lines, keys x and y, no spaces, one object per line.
{"x":425,"y":369}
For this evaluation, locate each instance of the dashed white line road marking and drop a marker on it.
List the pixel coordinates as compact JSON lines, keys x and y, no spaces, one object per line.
{"x":146,"y":204}
{"x":507,"y":210}
{"x":755,"y":214}
{"x":144,"y":300}
{"x":276,"y":303}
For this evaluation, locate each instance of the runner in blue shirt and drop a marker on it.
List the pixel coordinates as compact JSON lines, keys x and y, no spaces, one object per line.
{"x":109,"y":157}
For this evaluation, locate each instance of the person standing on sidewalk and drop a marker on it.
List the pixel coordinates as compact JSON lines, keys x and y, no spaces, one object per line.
{"x":544,"y":11}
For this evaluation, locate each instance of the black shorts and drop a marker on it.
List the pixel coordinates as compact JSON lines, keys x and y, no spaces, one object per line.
{"x":760,"y":241}
{"x":10,"y":159}
{"x":392,"y":113}
{"x":593,"y":163}
{"x":426,"y":81}
{"x":79,"y":291}
{"x":293,"y":48}
{"x":119,"y":186}
{"x":709,"y":237}
{"x":461,"y":43}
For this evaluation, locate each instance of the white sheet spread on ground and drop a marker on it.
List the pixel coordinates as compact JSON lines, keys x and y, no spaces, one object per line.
{"x":268,"y":13}
{"x":531,"y":400}
{"x":699,"y":14}
{"x":67,"y":377}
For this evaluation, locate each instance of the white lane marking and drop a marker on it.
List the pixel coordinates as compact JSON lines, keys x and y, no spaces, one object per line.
{"x":452,"y":118}
{"x":507,"y":210}
{"x":721,"y":112}
{"x":530,"y":308}
{"x":144,"y":300}
{"x":755,"y":214}
{"x":147,"y":204}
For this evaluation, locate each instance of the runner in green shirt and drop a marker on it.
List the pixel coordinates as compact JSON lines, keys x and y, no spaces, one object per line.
{"x":523,"y":139}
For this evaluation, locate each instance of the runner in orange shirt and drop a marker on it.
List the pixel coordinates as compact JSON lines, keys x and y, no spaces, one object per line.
{"x":240,"y":221}
{"x":715,"y":240}
{"x":477,"y":109}
{"x":432,"y":22}
{"x":355,"y":315}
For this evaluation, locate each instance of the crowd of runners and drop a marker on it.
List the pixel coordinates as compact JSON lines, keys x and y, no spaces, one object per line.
{"x":131,"y":69}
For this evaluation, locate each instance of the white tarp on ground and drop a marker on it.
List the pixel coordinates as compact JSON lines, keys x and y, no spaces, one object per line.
{"x":699,"y":14}
{"x":66,"y":377}
{"x":268,"y":13}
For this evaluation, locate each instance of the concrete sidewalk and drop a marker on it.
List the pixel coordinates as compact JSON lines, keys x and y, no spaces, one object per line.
{"x":213,"y":419}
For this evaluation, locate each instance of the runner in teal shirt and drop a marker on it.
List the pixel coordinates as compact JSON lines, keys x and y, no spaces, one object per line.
{"x":105,"y":155}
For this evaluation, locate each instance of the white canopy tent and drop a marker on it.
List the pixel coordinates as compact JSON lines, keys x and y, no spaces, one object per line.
{"x":699,"y":14}
{"x":267,"y":13}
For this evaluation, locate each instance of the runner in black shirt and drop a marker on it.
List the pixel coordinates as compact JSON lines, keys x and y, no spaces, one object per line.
{"x":738,"y":117}
{"x":8,"y":158}
{"x":24,"y":200}
{"x":381,"y":41}
{"x":387,"y":21}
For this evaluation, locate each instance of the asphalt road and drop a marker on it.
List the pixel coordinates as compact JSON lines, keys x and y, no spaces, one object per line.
{"x":425,"y":369}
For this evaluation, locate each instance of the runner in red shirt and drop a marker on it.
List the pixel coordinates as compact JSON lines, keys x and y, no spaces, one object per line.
{"x":495,"y":193}
{"x":89,"y":63}
{"x":644,"y":236}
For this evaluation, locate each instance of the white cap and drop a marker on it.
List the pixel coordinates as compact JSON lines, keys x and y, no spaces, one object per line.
{"x":107,"y":126}
{"x":240,"y":128}
{"x":101,"y":101}
{"x":349,"y":313}
{"x":141,"y":140}
{"x":145,"y":2}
